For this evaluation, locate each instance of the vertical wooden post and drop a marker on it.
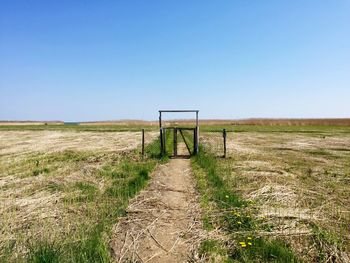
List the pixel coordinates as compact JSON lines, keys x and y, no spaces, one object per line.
{"x":195,"y":141}
{"x":160,"y":119}
{"x":143,"y":142}
{"x":197,"y":134}
{"x":175,"y":142}
{"x":161,"y":133}
{"x":224,"y":135}
{"x":161,"y":141}
{"x":164,"y":143}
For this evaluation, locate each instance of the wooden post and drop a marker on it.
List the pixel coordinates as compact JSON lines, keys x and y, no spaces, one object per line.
{"x":164,"y":143}
{"x":160,"y":119}
{"x":143,"y":142}
{"x":160,"y":133}
{"x":224,"y":135}
{"x":197,"y":134}
{"x":194,"y":141}
{"x":161,"y":140}
{"x":175,"y":142}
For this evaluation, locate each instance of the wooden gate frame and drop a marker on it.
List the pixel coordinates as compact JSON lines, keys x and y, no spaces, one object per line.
{"x":162,"y":132}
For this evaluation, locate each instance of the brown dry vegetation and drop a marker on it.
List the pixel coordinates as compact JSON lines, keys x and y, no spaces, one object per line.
{"x":48,"y":180}
{"x":300,"y":184}
{"x":227,"y":122}
{"x":24,"y":123}
{"x":281,"y":122}
{"x":261,"y":121}
{"x":15,"y":143}
{"x":297,"y":182}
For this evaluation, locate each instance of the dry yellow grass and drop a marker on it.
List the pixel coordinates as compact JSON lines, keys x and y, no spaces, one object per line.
{"x":24,"y":142}
{"x":300,"y":183}
{"x":47,"y":179}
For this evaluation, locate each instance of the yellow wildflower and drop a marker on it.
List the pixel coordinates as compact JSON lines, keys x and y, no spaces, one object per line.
{"x":249,"y":238}
{"x":239,"y":222}
{"x":249,"y":243}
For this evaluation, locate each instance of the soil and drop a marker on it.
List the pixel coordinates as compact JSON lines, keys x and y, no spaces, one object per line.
{"x":162,"y":222}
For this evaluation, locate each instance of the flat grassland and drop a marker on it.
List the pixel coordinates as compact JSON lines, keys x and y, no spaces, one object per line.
{"x":58,"y":189}
{"x":296,"y":181}
{"x":62,"y":187}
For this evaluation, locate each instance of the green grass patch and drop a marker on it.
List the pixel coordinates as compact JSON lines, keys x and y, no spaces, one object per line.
{"x":44,"y":252}
{"x":38,"y":171}
{"x":92,"y":248}
{"x":137,"y":176}
{"x":212,"y":250}
{"x":99,"y":209}
{"x":228,"y":211}
{"x":87,"y":192}
{"x":325,"y":242}
{"x":262,"y":250}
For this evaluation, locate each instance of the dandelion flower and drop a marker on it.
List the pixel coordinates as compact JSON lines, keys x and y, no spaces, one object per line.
{"x":239,"y":222}
{"x":249,"y":243}
{"x":249,"y":238}
{"x":244,"y":245}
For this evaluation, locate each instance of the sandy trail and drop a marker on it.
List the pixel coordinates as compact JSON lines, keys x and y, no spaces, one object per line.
{"x":163,"y":220}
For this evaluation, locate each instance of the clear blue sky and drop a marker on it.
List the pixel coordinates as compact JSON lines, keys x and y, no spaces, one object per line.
{"x":102,"y":60}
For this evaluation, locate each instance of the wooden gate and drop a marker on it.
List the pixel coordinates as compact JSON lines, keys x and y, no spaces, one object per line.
{"x":191,"y":144}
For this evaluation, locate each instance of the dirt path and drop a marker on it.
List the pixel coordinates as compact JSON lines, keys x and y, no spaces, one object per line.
{"x":163,"y":221}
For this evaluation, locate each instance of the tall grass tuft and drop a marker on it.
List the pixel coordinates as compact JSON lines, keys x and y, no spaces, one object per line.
{"x":43,"y":252}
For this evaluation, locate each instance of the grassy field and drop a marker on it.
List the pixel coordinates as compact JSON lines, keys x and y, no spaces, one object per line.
{"x":61,"y":192}
{"x":282,"y":195}
{"x":76,"y":127}
{"x":205,"y":126}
